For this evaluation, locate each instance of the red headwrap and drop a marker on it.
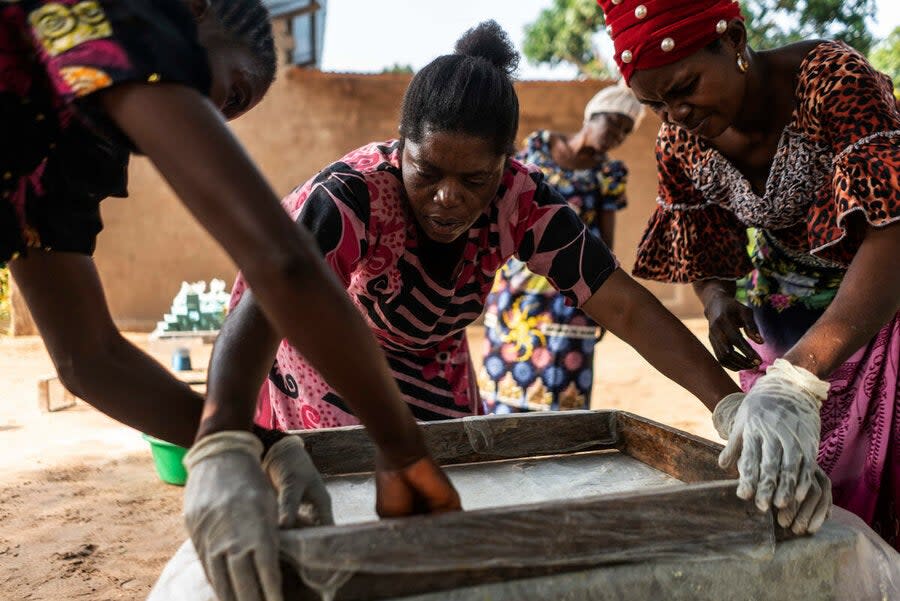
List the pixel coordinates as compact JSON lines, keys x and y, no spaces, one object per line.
{"x":653,"y":33}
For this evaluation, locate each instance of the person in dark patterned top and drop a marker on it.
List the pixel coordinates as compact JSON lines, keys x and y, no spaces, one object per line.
{"x":799,"y":143}
{"x":539,"y":351}
{"x":83,"y":83}
{"x":415,"y":229}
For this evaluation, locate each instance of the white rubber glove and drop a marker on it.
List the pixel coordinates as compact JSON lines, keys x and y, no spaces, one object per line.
{"x":808,"y":515}
{"x":776,"y":434}
{"x":303,"y":499}
{"x":723,"y":414}
{"x":232,"y":517}
{"x":805,"y":517}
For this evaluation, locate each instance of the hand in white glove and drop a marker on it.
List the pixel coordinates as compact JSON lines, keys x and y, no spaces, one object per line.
{"x":775,"y":434}
{"x":808,"y":515}
{"x":231,"y":514}
{"x":303,"y":499}
{"x":804,"y":517}
{"x":723,"y":414}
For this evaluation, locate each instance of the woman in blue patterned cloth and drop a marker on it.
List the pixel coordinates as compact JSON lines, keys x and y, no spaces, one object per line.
{"x":540,"y":351}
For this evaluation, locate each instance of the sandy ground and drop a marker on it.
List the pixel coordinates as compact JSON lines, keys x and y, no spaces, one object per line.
{"x":83,"y":515}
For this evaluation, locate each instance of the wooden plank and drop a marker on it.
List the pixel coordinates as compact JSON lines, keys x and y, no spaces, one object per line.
{"x":53,"y":396}
{"x":338,"y":451}
{"x":679,"y":454}
{"x":684,"y":456}
{"x":394,"y":558}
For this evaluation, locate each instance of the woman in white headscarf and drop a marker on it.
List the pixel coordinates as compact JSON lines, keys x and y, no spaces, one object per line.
{"x":539,"y":351}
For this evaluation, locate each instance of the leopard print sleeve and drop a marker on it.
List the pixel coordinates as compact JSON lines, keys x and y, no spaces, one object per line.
{"x":851,"y":108}
{"x":688,"y":239}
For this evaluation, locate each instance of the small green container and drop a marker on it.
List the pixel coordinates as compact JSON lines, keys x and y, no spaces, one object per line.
{"x":168,"y":459}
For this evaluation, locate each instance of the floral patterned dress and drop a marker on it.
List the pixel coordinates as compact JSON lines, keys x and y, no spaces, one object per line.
{"x":357,"y":210}
{"x":539,"y":350}
{"x":838,"y":157}
{"x":59,"y":156}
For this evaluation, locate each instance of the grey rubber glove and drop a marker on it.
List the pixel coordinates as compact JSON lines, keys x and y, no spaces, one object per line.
{"x":803,"y":517}
{"x":231,"y":514}
{"x":303,"y":499}
{"x":775,"y":436}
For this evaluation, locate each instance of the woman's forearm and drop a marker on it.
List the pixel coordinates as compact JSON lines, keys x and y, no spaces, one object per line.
{"x":630,"y":312}
{"x":241,"y":359}
{"x":220,"y":185}
{"x":93,"y":360}
{"x":868,"y":298}
{"x":709,"y":290}
{"x":337,"y":342}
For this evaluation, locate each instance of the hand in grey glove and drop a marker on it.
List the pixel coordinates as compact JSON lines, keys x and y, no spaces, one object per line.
{"x":231,"y":508}
{"x":303,"y":499}
{"x":231,"y":514}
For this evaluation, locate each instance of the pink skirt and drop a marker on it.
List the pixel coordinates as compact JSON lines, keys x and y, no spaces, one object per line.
{"x":860,"y":447}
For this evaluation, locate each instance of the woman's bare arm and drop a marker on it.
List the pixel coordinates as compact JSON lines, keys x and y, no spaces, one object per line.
{"x":187,"y":140}
{"x":241,"y":359}
{"x":869,"y":296}
{"x":629,"y":311}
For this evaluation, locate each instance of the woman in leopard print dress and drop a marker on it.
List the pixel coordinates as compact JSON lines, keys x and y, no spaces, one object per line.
{"x":800,"y":144}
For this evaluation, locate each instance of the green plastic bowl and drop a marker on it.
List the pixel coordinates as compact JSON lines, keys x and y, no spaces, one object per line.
{"x":168,"y":460}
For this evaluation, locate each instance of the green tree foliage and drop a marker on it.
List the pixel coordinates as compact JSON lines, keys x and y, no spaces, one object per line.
{"x":398,"y":68}
{"x":885,"y":57}
{"x":564,"y":33}
{"x":773,"y":23}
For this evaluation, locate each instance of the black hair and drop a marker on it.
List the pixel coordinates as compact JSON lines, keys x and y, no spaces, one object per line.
{"x":715,"y":46}
{"x":247,"y":22}
{"x":470,"y":91}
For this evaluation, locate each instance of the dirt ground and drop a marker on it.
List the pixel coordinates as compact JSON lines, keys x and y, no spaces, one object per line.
{"x":83,"y":515}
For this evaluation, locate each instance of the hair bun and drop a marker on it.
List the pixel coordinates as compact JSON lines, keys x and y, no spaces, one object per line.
{"x":487,"y":40}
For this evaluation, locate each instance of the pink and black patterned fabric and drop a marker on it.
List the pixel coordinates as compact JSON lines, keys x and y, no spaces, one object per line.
{"x":357,"y":210}
{"x":59,"y":156}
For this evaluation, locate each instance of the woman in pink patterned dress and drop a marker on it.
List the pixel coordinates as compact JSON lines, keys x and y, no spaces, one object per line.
{"x":415,"y":229}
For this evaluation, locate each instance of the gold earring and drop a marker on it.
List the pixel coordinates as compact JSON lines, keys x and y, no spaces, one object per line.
{"x":742,"y":64}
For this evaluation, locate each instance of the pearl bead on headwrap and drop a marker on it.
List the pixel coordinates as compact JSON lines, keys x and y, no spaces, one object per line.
{"x":654,"y":33}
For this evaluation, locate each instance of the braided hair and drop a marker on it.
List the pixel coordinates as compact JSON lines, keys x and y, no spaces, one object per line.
{"x":247,"y":22}
{"x":470,"y":91}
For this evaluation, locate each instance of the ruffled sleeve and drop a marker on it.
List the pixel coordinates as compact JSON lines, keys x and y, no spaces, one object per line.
{"x":687,"y":238}
{"x":853,"y":107}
